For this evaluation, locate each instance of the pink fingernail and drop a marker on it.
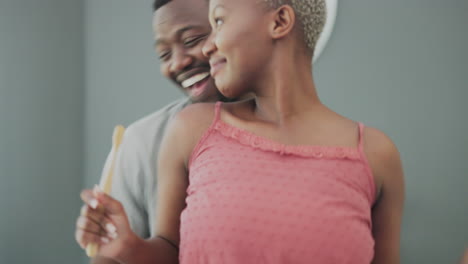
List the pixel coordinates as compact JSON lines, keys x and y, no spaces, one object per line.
{"x":96,"y":189}
{"x":93,"y":203}
{"x":111,"y":228}
{"x":105,"y":240}
{"x":113,"y":235}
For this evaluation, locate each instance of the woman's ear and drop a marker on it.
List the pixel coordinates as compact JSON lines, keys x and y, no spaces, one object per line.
{"x":284,"y":20}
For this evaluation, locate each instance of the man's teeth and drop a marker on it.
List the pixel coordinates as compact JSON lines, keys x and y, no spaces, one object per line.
{"x":194,"y":79}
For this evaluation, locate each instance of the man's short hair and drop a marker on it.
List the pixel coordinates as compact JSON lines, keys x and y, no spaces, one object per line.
{"x":311,"y":14}
{"x":159,"y":3}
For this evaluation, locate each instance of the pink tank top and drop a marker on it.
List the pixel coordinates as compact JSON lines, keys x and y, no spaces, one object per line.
{"x":253,"y":200}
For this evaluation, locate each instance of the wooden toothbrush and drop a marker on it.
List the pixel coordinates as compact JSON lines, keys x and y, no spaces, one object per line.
{"x":106,"y":178}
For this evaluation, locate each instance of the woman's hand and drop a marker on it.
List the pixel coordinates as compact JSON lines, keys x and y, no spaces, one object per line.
{"x":103,"y":221}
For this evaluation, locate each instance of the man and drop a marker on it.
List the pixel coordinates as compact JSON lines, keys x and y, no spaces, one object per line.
{"x":180,"y":27}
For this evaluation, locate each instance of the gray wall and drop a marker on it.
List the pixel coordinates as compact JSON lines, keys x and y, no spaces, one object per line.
{"x":123,"y":82}
{"x":41,"y":114}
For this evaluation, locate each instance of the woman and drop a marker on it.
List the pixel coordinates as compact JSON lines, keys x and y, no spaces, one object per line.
{"x":280,"y":178}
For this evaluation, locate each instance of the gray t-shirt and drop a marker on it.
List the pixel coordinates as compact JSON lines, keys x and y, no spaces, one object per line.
{"x":134,"y":180}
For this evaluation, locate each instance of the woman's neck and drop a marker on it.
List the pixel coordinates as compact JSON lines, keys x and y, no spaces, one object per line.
{"x":287,"y":89}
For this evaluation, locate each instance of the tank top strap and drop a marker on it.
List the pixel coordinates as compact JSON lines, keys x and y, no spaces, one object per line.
{"x":217,"y":111}
{"x":370,"y":174}
{"x":361,"y":137}
{"x":207,"y":133}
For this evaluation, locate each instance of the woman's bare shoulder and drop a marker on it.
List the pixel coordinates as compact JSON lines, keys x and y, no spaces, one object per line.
{"x":188,"y":126}
{"x":383,"y":156}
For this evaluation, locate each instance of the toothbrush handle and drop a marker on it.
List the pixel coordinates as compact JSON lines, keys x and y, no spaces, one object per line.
{"x":106,"y":179}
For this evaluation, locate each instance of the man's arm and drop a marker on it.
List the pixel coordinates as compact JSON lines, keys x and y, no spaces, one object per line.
{"x":387,"y":211}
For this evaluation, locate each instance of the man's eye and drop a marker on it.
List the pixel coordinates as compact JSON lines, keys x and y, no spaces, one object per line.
{"x":190,"y":42}
{"x":164,"y":56}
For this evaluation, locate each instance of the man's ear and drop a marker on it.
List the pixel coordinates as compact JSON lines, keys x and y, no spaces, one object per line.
{"x":284,"y":19}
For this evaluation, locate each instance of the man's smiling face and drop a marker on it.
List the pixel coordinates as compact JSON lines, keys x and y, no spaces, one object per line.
{"x":181,"y":28}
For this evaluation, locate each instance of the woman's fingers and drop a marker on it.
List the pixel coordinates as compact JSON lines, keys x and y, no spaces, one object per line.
{"x":85,"y":234}
{"x":102,"y":214}
{"x":88,"y":197}
{"x":93,"y":226}
{"x":115,"y":211}
{"x":95,"y":215}
{"x":96,"y":199}
{"x":103,"y":222}
{"x":112,"y":206}
{"x":89,"y":225}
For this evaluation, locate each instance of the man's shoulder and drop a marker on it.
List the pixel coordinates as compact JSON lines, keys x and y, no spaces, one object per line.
{"x":150,"y":129}
{"x":155,"y":120}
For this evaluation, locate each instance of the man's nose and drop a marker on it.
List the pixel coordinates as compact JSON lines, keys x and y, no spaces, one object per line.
{"x":180,"y":61}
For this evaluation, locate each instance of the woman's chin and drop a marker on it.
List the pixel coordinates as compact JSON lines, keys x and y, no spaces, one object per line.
{"x":230,"y":89}
{"x":202,"y":92}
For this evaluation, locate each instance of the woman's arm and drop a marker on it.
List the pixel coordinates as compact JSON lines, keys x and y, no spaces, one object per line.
{"x":102,"y":210}
{"x":172,"y":180}
{"x":387,"y":211}
{"x":181,"y":138}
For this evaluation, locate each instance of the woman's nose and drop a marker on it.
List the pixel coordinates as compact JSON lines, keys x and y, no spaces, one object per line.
{"x":209,"y":47}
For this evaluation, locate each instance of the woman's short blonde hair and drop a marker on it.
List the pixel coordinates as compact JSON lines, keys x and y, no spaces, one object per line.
{"x":311,"y":14}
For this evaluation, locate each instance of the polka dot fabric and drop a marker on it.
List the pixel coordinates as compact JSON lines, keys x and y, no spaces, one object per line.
{"x":251,"y":200}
